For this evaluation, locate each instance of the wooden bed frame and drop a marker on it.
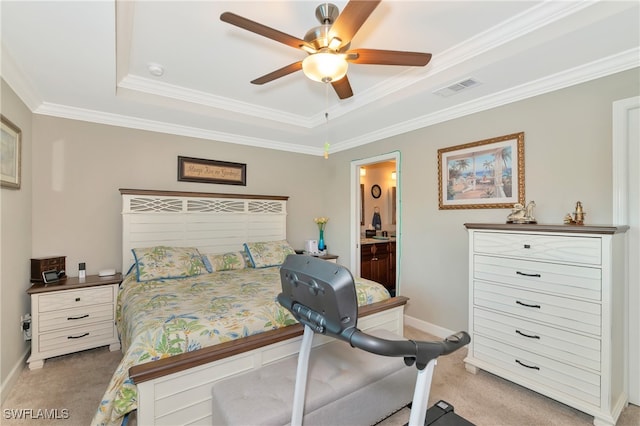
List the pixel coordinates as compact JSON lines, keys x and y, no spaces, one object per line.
{"x":177,"y":390}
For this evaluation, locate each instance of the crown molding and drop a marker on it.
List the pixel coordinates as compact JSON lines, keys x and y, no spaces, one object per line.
{"x":601,"y":68}
{"x":73,"y":113}
{"x":182,"y":94}
{"x":18,"y":80}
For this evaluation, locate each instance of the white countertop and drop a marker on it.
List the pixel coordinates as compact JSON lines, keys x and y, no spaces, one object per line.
{"x":364,"y":241}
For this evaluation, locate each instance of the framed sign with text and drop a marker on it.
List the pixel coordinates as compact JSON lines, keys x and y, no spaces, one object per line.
{"x":211,"y":171}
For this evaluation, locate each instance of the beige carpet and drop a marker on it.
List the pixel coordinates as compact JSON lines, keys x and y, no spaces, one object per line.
{"x":77,"y":382}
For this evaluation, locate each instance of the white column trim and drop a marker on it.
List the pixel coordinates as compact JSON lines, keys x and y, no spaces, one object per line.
{"x":621,"y":186}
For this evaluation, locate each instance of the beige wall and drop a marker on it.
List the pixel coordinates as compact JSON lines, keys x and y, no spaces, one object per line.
{"x":78,"y":168}
{"x":567,"y":158}
{"x":15,"y":249}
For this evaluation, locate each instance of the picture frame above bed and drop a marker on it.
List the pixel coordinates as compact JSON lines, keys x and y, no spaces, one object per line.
{"x":211,"y":171}
{"x":486,"y":174}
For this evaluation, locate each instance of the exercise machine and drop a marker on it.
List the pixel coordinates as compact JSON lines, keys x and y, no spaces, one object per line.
{"x":321,"y":295}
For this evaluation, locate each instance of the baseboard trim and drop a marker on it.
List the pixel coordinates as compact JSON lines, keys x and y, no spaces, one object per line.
{"x":12,"y":378}
{"x":427,"y":327}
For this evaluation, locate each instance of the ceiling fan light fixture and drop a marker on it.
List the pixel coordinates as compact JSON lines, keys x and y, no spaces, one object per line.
{"x":325,"y":67}
{"x":335,"y":43}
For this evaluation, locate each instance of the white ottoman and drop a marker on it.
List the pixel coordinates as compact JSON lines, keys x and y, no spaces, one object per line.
{"x":346,"y":386}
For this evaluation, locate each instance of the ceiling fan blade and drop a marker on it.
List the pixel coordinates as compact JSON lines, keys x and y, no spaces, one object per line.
{"x":291,"y":68}
{"x":342,"y":88}
{"x":351,"y":19}
{"x":263,"y":30}
{"x":389,"y":57}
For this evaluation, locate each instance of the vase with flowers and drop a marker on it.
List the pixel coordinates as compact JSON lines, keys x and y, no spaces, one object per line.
{"x":322,"y":223}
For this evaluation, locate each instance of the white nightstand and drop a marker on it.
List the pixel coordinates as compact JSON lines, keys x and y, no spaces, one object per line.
{"x":73,"y":315}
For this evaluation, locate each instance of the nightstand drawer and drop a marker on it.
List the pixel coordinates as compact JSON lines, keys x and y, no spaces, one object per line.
{"x":71,"y":299}
{"x":74,"y":338}
{"x":540,"y":247}
{"x":58,"y":320}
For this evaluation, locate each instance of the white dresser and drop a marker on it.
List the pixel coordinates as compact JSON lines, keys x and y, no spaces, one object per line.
{"x":547,"y":311}
{"x":73,"y":315}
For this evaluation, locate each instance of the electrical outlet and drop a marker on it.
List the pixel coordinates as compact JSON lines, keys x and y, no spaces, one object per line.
{"x":25,"y":324}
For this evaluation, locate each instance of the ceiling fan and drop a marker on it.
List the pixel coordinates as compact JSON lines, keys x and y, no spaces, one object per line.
{"x":328,"y":46}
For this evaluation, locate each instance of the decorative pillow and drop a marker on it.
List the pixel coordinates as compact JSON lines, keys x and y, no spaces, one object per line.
{"x":225,"y":261}
{"x":162,"y":262}
{"x":268,"y":253}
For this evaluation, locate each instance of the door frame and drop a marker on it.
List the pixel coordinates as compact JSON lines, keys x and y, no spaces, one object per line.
{"x":625,"y":142}
{"x":356,"y":206}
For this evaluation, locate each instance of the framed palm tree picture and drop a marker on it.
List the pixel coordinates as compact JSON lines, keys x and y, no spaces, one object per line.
{"x":487,"y":174}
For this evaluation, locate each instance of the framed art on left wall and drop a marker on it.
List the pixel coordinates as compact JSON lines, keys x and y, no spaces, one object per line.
{"x":10,"y":154}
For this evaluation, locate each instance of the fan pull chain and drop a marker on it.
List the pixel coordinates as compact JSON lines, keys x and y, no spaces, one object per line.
{"x":326,"y":144}
{"x":326,"y":117}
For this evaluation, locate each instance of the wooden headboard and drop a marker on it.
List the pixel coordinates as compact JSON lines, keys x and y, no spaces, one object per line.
{"x":214,"y":223}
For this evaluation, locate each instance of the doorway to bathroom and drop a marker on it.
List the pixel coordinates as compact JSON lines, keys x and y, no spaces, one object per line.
{"x":376,"y":219}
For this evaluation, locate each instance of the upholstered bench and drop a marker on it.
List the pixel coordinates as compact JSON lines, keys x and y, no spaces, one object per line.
{"x":346,"y":386}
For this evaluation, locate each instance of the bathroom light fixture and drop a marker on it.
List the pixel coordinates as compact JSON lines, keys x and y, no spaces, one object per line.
{"x":325,"y":66}
{"x":393,"y":175}
{"x":363,"y":171}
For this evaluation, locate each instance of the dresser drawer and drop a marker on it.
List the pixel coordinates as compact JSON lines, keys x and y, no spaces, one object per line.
{"x":568,"y":280}
{"x":72,"y":299}
{"x":77,"y":338}
{"x":57,"y":320}
{"x":584,"y":250}
{"x":560,"y":345}
{"x":557,"y":311}
{"x":560,"y":377}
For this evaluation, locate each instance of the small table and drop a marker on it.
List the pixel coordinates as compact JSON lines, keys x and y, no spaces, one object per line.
{"x":73,"y":315}
{"x":328,"y":257}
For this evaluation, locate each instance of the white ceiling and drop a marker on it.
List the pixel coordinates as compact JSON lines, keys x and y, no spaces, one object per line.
{"x":88,"y":60}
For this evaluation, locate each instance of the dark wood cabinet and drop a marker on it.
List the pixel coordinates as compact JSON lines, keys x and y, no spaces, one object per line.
{"x":377,"y":263}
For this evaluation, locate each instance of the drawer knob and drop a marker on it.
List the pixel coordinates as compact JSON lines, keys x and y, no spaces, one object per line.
{"x":78,"y":337}
{"x":530,"y":336}
{"x":528,"y":305}
{"x":527,"y":246}
{"x":77,"y":318}
{"x":533,"y":367}
{"x":528,"y":275}
{"x":77,"y":299}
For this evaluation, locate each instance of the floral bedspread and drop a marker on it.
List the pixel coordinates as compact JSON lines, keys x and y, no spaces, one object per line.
{"x":159,"y":319}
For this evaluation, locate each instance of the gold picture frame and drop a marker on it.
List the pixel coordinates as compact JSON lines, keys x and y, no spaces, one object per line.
{"x":487,"y":174}
{"x":211,"y":171}
{"x":10,"y":154}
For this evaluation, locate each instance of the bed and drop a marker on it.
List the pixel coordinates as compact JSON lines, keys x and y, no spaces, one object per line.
{"x":183,"y":328}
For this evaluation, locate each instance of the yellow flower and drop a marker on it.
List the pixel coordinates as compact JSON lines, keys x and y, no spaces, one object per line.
{"x":321,"y":222}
